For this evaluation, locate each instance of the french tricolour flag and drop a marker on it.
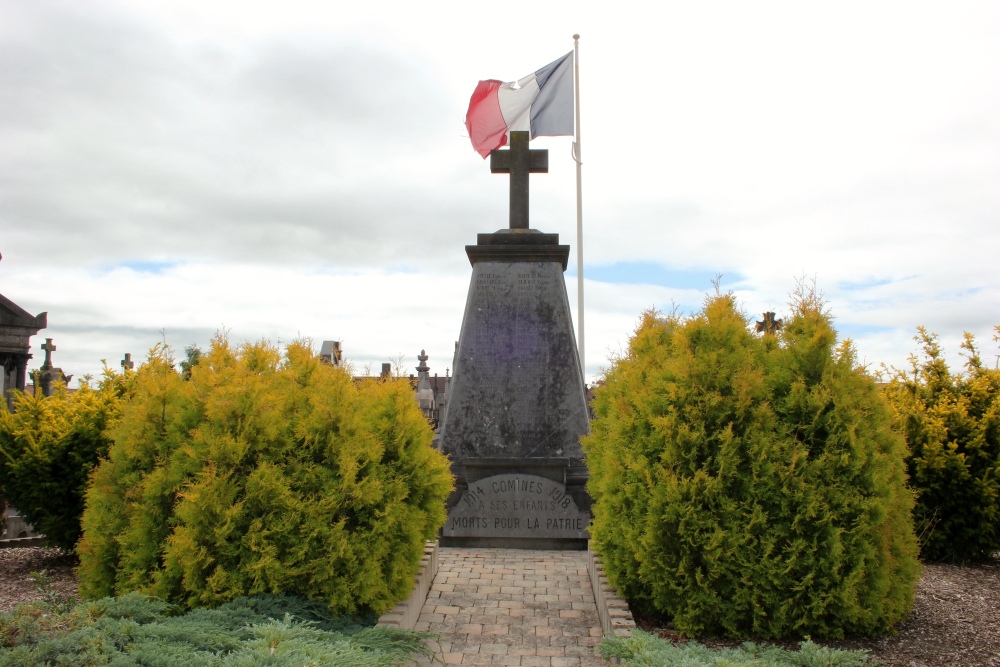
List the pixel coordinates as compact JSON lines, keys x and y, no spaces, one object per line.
{"x":540,"y":103}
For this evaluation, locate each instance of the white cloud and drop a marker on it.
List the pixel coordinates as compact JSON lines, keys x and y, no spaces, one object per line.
{"x":300,"y":168}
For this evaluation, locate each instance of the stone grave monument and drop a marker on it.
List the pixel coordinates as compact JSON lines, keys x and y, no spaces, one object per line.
{"x":517,"y":404}
{"x":17,"y":326}
{"x":48,"y":375}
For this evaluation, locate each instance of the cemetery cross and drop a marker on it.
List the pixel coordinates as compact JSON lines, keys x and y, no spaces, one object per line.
{"x":770,"y":325}
{"x":49,"y":349}
{"x":127,"y":362}
{"x":519,"y":161}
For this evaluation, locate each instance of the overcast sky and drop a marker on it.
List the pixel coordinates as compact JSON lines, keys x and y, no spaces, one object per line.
{"x":286,"y":169}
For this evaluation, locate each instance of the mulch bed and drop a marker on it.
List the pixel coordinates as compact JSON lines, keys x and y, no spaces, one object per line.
{"x":955,"y":620}
{"x":16,"y":565}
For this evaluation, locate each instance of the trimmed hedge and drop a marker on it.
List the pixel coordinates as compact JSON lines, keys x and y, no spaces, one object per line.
{"x":263,"y":475}
{"x":751,"y":485}
{"x":952,"y":427}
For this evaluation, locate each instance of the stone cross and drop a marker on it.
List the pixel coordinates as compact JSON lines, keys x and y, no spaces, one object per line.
{"x":519,"y":161}
{"x":49,"y":349}
{"x":127,"y":362}
{"x":770,"y":325}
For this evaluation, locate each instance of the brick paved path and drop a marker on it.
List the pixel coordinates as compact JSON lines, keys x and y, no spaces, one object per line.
{"x":513,"y":607}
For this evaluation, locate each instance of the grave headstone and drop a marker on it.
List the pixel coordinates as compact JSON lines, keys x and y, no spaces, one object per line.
{"x":517,"y":404}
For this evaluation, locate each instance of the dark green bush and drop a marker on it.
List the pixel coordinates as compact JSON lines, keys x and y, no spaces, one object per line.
{"x":48,"y":447}
{"x":751,"y":485}
{"x":952,"y":428}
{"x":259,"y":475}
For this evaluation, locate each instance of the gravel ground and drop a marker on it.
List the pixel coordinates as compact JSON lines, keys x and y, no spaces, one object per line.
{"x":955,"y":621}
{"x":16,"y":564}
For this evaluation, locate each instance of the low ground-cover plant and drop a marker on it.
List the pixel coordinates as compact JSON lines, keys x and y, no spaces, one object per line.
{"x":952,"y":426}
{"x":646,"y":650}
{"x":751,"y":485}
{"x":51,"y":597}
{"x":137,"y":631}
{"x":263,"y":474}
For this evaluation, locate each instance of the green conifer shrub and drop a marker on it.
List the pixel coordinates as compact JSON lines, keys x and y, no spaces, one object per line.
{"x":642,"y":649}
{"x":750,"y":485}
{"x":48,"y":447}
{"x":263,"y":475}
{"x":135,"y":630}
{"x":952,"y":428}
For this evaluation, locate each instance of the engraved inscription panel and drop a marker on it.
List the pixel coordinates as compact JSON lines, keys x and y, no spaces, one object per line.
{"x":516,"y":505}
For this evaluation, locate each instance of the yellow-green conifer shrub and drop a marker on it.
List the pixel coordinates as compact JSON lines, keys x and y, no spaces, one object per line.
{"x":750,"y":485}
{"x":48,"y":447}
{"x":263,"y":474}
{"x":952,"y":426}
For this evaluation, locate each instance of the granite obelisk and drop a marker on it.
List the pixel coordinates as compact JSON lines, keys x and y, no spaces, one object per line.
{"x":517,"y":406}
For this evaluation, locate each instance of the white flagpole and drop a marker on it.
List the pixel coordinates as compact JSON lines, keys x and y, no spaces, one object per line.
{"x":579,"y":205}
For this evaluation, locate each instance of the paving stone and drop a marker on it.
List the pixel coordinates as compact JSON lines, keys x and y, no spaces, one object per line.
{"x":565,"y":662}
{"x":512,"y":607}
{"x":536,"y":661}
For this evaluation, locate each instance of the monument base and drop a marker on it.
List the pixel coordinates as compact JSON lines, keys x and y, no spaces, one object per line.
{"x":527,"y":543}
{"x":538,"y":503}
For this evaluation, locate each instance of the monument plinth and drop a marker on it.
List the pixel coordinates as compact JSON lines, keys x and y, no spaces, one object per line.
{"x":517,"y":405}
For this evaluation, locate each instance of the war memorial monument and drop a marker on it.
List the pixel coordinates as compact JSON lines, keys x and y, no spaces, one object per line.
{"x":518,"y":405}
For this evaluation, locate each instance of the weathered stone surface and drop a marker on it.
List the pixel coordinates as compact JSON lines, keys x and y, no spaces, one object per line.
{"x":517,"y":403}
{"x":517,"y":389}
{"x":517,"y":505}
{"x":17,"y":326}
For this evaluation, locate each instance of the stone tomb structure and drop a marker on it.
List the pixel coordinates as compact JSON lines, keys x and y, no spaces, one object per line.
{"x":17,"y":326}
{"x":517,"y":403}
